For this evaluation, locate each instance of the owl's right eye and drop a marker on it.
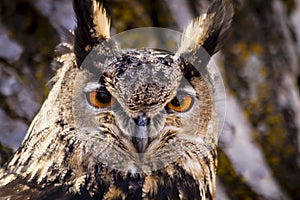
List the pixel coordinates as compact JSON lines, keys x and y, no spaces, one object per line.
{"x":100,"y":99}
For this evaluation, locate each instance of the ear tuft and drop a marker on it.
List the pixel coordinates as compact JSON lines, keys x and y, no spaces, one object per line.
{"x":92,"y":28}
{"x":209,"y":30}
{"x":100,"y":20}
{"x":194,"y":34}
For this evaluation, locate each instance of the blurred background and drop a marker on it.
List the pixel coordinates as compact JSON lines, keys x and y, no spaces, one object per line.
{"x":259,"y":149}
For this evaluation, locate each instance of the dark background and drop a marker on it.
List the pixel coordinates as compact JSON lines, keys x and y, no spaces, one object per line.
{"x":260,"y":144}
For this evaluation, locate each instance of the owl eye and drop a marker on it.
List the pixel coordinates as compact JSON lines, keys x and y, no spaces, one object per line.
{"x":100,"y":99}
{"x":180,"y":103}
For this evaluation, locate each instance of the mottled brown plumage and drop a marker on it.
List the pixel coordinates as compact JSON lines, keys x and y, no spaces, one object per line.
{"x":124,"y":123}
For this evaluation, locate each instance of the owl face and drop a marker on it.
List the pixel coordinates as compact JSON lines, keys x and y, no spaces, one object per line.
{"x":139,"y":105}
{"x":140,"y":109}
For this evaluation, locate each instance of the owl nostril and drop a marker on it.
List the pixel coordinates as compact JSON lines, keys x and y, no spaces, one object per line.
{"x":142,"y":120}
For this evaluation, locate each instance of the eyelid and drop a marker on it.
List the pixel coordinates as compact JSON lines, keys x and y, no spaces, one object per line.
{"x":185,"y":93}
{"x":93,"y":86}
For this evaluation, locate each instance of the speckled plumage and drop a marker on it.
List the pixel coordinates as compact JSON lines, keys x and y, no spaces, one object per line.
{"x":75,"y":151}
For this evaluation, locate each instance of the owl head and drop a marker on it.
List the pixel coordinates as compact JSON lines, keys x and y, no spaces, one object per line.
{"x":143,"y":106}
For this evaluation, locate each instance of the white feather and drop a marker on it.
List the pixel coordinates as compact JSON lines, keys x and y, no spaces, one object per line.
{"x":101,"y":21}
{"x":194,"y":34}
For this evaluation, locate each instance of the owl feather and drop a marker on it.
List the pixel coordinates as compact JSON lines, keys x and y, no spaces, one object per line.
{"x":209,"y":30}
{"x":93,"y":26}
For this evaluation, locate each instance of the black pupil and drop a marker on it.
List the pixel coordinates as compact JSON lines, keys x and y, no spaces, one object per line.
{"x":103,"y":97}
{"x":177,"y":102}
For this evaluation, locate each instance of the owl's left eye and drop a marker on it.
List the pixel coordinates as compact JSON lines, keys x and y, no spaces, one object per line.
{"x":180,"y":103}
{"x":100,"y":99}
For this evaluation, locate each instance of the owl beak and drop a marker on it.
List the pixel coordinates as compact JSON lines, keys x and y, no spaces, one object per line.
{"x":140,"y":144}
{"x":141,"y":139}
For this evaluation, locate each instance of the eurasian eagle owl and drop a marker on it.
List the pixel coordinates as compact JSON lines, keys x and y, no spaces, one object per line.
{"x":124,"y":123}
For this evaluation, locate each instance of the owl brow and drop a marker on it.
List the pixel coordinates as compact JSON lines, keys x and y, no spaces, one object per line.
{"x":186,"y":90}
{"x":186,"y":87}
{"x":92,"y":86}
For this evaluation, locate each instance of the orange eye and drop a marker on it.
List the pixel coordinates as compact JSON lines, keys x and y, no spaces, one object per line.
{"x":100,"y":99}
{"x":181,"y":103}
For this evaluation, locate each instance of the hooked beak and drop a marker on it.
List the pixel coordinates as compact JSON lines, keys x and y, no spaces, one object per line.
{"x":141,"y":139}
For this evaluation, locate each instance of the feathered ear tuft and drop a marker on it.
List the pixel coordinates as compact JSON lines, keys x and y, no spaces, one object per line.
{"x":100,"y":20}
{"x":209,"y":30}
{"x":93,"y":27}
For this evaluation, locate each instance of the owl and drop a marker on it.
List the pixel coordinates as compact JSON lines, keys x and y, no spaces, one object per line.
{"x":124,"y":123}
